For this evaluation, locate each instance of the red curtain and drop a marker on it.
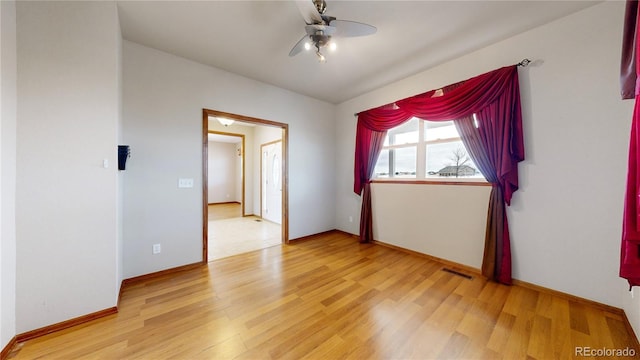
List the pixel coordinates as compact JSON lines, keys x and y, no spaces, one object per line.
{"x":630,"y":247}
{"x":496,"y":153}
{"x":628,"y":65}
{"x":368,"y":147}
{"x":495,"y":99}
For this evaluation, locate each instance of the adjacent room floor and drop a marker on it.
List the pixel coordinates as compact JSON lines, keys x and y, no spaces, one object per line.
{"x":232,"y":234}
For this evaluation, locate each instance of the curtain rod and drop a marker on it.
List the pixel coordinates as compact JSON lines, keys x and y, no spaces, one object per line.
{"x":524,"y":63}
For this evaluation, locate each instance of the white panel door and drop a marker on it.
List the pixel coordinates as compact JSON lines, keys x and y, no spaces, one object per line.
{"x":272,"y":182}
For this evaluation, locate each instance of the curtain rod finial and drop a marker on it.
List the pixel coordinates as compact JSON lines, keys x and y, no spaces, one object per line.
{"x":524,"y":63}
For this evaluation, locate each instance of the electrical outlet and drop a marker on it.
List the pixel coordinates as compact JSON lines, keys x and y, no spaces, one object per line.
{"x":350,"y":219}
{"x":157,"y":249}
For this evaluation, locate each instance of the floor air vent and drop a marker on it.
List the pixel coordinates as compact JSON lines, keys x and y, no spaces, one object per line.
{"x":468,"y":277}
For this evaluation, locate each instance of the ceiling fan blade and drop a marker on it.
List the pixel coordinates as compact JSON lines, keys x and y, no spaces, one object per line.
{"x":346,"y":28}
{"x":309,"y":12}
{"x":299,"y":46}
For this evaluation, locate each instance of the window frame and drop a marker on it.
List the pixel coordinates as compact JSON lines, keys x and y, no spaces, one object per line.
{"x":421,"y":161}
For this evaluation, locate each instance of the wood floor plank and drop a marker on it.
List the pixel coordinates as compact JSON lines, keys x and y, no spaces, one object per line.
{"x":428,"y":341}
{"x":475,"y":326}
{"x":455,"y":346}
{"x":540,"y":345}
{"x":329,"y":349}
{"x":578,"y":318}
{"x":560,"y":337}
{"x":333,"y":298}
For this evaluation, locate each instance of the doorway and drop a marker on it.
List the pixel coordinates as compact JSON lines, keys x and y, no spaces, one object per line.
{"x":278,"y":172}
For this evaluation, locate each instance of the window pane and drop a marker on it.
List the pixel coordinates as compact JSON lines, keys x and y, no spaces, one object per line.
{"x":406,"y":133}
{"x":450,"y":160}
{"x":435,"y":130}
{"x":404,"y":162}
{"x":440,"y":152}
{"x":382,"y":166}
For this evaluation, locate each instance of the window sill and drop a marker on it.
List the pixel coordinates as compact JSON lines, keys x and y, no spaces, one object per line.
{"x":465,"y":182}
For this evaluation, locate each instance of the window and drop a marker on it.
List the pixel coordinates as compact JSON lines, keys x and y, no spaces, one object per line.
{"x":420,"y":149}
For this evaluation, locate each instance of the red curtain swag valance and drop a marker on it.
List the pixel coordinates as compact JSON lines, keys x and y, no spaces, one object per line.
{"x":495,"y":145}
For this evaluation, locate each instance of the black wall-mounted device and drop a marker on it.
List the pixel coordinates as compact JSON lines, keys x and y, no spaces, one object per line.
{"x":123,"y":154}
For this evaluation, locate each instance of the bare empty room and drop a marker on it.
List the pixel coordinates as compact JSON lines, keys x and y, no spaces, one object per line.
{"x":456,"y":179}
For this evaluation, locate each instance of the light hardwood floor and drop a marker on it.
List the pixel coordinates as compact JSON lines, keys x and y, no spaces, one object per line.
{"x":224,"y":211}
{"x":332,"y":298}
{"x":230,"y":233}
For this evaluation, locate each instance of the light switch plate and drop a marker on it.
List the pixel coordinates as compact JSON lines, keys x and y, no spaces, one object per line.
{"x":185,"y":183}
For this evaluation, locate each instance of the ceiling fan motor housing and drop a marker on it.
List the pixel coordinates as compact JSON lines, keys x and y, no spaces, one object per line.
{"x":320,"y":40}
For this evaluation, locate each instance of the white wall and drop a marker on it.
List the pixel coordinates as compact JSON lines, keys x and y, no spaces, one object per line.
{"x":7,"y":172}
{"x":418,"y":231}
{"x":223,"y":179}
{"x":565,"y":220}
{"x":121,"y":174}
{"x":163,"y":98}
{"x":68,"y":95}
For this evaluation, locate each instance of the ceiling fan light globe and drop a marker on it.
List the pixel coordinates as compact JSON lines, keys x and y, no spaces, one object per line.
{"x":333,"y":46}
{"x":307,"y":46}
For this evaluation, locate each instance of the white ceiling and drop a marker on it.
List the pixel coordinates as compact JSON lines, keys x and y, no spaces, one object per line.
{"x":253,"y":38}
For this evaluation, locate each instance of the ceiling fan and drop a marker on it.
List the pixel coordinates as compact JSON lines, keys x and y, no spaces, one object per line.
{"x":321,"y":28}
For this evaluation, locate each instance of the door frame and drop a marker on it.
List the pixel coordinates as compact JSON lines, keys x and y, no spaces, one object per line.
{"x":261,"y":172}
{"x":206,"y":113}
